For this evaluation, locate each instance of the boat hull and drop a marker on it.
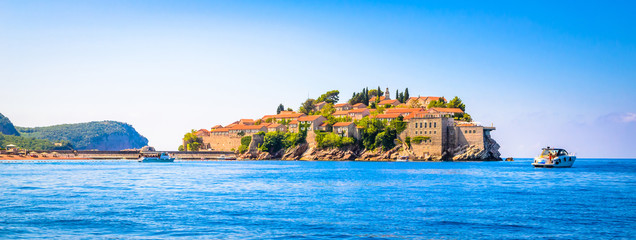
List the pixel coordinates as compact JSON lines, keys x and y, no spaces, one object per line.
{"x":156,"y":160}
{"x":560,"y":162}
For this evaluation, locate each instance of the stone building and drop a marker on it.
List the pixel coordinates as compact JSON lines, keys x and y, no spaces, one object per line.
{"x":346,"y":129}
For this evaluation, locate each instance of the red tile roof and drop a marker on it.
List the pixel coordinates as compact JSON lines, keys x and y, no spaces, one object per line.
{"x":341,"y":105}
{"x":448,"y":110}
{"x":404,"y":110}
{"x":387,"y":115}
{"x":217,"y":126}
{"x":294,"y":122}
{"x":358,"y":110}
{"x":220,"y":130}
{"x":309,"y":118}
{"x":373,"y":99}
{"x":274,"y":125}
{"x":389,"y":102}
{"x":359,"y":105}
{"x":342,"y":124}
{"x":286,"y":115}
{"x":246,"y":127}
{"x":340,"y":113}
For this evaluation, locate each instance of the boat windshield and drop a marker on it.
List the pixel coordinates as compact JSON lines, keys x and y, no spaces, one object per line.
{"x":547,"y":152}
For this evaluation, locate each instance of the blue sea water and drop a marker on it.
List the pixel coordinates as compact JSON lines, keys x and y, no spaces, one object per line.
{"x":596,"y":199}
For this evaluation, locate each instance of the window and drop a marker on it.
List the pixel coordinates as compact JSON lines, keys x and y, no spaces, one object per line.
{"x":435,"y":132}
{"x":435,"y":124}
{"x":465,"y":131}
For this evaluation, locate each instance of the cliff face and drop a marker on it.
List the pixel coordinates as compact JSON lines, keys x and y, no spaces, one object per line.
{"x":103,"y":135}
{"x":6,"y":127}
{"x":306,"y":152}
{"x":490,"y":152}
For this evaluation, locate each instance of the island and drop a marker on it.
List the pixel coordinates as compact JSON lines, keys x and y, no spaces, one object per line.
{"x":371,"y":126}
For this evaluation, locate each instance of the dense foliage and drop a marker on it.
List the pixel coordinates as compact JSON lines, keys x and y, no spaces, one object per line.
{"x":6,"y":127}
{"x":192,"y":141}
{"x":102,"y":135}
{"x":245,"y":144}
{"x":332,"y":140}
{"x":275,"y":141}
{"x":329,"y":97}
{"x":32,"y":143}
{"x":308,"y":106}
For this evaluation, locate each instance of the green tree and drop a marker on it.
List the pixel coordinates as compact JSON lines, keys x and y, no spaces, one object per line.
{"x":329,"y":97}
{"x":456,"y":102}
{"x":440,"y":103}
{"x":192,"y":141}
{"x":406,"y":95}
{"x":308,"y":106}
{"x":280,"y":108}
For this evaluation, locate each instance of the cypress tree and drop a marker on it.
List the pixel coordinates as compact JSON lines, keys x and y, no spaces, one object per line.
{"x":406,"y":95}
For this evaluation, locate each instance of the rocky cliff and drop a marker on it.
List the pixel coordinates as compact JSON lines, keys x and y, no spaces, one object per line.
{"x":307,"y":152}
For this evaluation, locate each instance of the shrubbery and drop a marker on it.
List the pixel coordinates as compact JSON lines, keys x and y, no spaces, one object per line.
{"x":275,"y":141}
{"x":332,"y":140}
{"x":419,"y":139}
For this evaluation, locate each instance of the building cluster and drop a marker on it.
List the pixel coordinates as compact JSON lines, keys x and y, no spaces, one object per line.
{"x":436,"y":125}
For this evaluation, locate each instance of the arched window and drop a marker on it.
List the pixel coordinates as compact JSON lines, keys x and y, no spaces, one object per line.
{"x":435,"y":124}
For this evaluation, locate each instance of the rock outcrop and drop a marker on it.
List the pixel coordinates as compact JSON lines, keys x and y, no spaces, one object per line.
{"x":490,"y":152}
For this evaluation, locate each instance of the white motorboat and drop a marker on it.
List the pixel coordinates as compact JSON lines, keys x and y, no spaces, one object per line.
{"x":554,"y":158}
{"x":156,"y":157}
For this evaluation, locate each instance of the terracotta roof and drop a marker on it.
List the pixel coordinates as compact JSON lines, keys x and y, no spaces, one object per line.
{"x":294,"y":122}
{"x":203,"y":130}
{"x":387,"y":115}
{"x":404,"y":110}
{"x":220,"y":130}
{"x":324,"y":124}
{"x":342,"y":124}
{"x":286,"y":115}
{"x":448,"y":110}
{"x":309,"y":118}
{"x":246,"y":120}
{"x":373,"y":99}
{"x":341,"y":105}
{"x":340,"y":113}
{"x":390,"y":101}
{"x":359,"y":105}
{"x":274,"y":125}
{"x":321,"y":103}
{"x":217,"y":126}
{"x":246,"y":127}
{"x":359,"y":110}
{"x":466,"y":125}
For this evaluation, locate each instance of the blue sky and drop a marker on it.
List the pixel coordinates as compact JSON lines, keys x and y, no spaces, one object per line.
{"x":544,"y":73}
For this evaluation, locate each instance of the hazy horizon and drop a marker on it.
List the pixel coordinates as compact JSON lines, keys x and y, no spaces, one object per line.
{"x":543,"y":73}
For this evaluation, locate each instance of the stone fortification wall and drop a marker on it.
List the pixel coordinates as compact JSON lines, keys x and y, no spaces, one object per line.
{"x":436,"y":129}
{"x":222,"y":142}
{"x":469,"y":136}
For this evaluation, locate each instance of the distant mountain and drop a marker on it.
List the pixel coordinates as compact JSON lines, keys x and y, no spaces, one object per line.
{"x":6,"y":127}
{"x":103,"y":135}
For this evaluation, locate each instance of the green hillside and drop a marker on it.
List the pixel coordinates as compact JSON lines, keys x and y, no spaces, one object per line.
{"x":6,"y":127}
{"x":32,"y":143}
{"x":102,"y":135}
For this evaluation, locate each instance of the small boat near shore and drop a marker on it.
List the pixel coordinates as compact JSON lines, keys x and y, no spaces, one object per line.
{"x":156,"y":157}
{"x":554,"y":158}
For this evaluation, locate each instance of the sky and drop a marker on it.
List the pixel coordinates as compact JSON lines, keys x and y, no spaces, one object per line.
{"x":545,"y":73}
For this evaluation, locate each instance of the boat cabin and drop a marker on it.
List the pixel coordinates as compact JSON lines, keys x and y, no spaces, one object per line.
{"x":554,"y":152}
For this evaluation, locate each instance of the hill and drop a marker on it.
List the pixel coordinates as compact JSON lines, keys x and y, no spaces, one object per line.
{"x":102,"y":135}
{"x":6,"y":127}
{"x":32,"y":143}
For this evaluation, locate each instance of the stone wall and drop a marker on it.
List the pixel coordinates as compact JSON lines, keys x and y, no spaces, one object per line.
{"x":436,"y":129}
{"x":222,"y":142}
{"x":469,"y":136}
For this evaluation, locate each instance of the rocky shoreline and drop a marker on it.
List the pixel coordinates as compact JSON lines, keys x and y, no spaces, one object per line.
{"x":490,"y":152}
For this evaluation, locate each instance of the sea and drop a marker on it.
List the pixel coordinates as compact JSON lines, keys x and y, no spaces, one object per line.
{"x":122,"y":199}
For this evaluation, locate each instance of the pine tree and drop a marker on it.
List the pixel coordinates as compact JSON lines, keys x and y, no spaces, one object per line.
{"x":397,"y":95}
